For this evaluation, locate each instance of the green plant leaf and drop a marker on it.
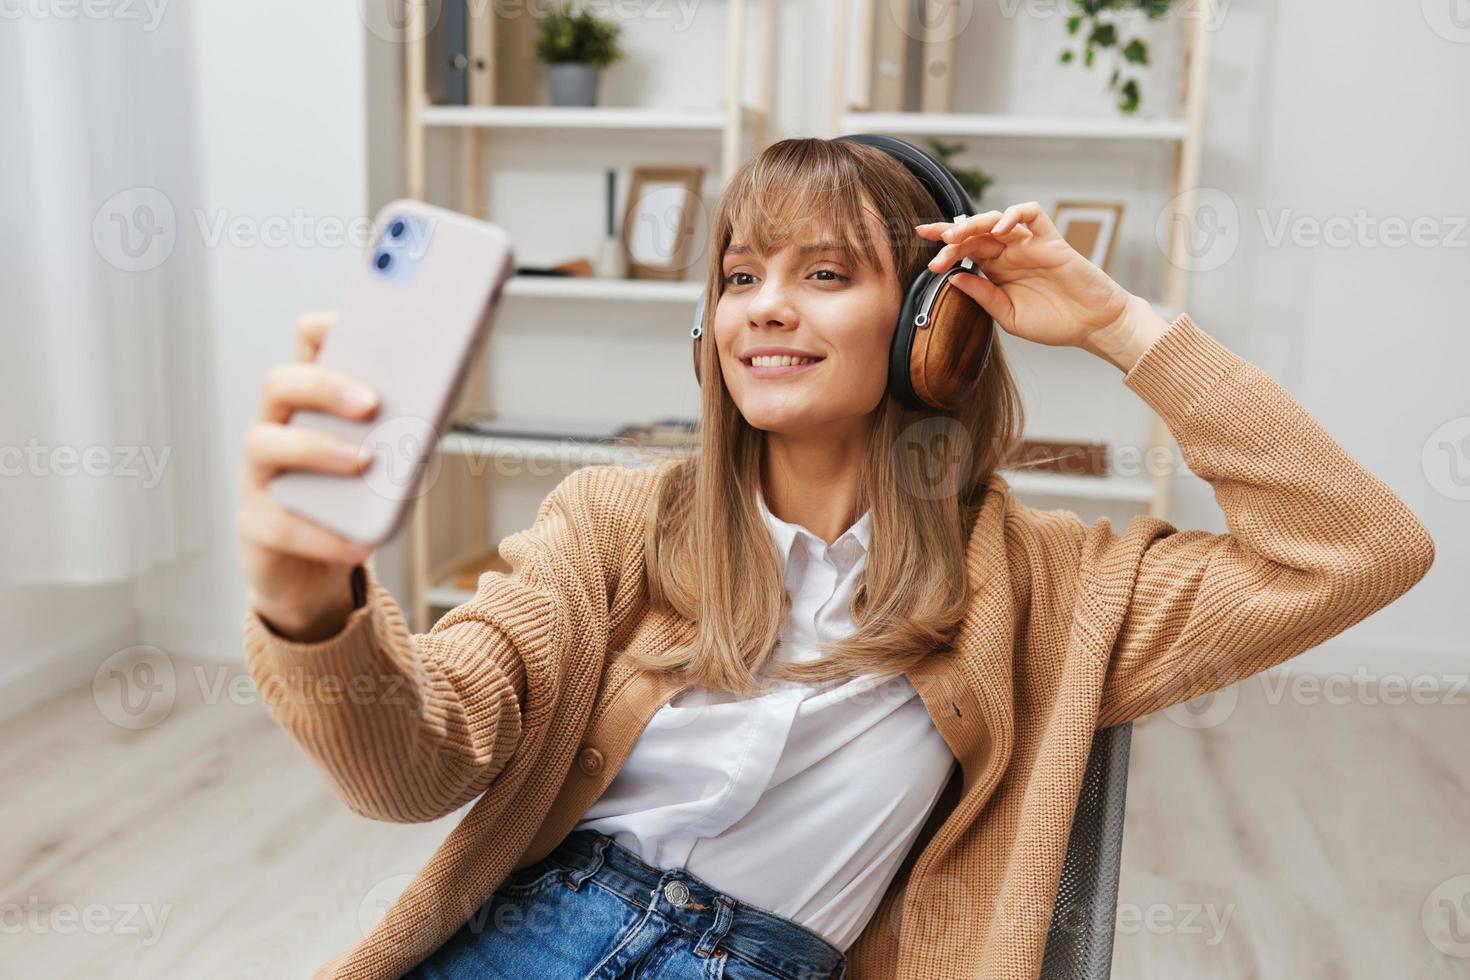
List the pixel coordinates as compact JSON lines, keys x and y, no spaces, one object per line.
{"x":1131,"y":98}
{"x":1136,"y":52}
{"x":1066,"y":58}
{"x":1103,"y":35}
{"x":1073,"y":23}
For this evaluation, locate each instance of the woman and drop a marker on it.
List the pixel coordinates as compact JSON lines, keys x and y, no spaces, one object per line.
{"x":784,"y":709}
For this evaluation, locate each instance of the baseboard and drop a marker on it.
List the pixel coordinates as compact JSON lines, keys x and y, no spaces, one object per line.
{"x":67,"y":668}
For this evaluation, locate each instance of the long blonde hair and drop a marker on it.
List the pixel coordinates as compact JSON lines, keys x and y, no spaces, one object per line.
{"x":710,"y":557}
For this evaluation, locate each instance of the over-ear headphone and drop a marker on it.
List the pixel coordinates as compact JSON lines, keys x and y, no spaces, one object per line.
{"x":944,"y":337}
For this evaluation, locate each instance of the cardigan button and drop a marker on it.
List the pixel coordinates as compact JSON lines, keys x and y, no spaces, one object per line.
{"x":590,"y":760}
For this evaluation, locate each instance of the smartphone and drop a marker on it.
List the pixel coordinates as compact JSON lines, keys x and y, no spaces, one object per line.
{"x":419,"y":306}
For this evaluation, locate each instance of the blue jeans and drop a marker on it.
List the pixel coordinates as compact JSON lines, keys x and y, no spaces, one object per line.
{"x":593,"y":910}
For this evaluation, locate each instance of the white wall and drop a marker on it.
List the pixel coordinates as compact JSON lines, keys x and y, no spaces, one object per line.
{"x":281,"y":140}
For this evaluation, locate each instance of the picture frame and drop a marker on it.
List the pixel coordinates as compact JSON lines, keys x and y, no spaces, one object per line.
{"x":1091,"y":227}
{"x":658,"y":221}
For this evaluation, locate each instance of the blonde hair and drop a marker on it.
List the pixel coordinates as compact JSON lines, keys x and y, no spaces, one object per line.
{"x":710,"y":557}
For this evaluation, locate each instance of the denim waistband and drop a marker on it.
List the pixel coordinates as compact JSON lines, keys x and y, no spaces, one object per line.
{"x":769,"y":941}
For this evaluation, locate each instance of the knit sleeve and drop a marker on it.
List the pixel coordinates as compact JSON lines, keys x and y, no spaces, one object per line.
{"x":1315,"y":543}
{"x":409,"y":727}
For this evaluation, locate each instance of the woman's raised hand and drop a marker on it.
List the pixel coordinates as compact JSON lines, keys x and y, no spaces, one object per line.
{"x":299,"y":571}
{"x":1037,"y":286}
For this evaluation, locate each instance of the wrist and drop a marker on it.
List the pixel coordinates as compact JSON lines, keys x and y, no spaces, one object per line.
{"x":311,"y":625}
{"x":1122,"y":342}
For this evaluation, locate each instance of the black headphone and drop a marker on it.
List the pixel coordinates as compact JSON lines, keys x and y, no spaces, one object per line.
{"x":944,"y":337}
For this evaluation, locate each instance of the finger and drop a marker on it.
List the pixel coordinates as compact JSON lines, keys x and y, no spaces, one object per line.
{"x":980,"y":248}
{"x":266,"y":523}
{"x":990,"y":296}
{"x":311,"y":330}
{"x":271,"y":447}
{"x":1029,"y":213}
{"x":976,"y":224}
{"x":288,"y":387}
{"x":933,"y":229}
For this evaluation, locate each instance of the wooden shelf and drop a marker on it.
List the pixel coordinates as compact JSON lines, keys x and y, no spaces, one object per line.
{"x":1014,"y":126}
{"x":711,"y":121}
{"x":585,"y":288}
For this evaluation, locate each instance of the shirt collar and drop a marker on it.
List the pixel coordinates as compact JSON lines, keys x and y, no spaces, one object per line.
{"x":785,"y":533}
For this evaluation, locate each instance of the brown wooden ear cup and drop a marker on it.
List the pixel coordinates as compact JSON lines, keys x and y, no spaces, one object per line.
{"x":943,"y":358}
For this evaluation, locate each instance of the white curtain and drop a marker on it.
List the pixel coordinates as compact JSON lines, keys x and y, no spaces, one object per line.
{"x":103,"y":408}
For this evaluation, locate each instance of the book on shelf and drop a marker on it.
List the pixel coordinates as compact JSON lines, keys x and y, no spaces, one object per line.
{"x":662,"y":433}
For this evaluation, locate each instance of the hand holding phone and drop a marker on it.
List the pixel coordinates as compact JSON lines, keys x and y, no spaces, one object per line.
{"x":327,"y":476}
{"x":299,"y":571}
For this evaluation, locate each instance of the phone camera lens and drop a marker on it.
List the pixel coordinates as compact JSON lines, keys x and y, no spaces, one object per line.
{"x":397,"y":229}
{"x":383,"y":260}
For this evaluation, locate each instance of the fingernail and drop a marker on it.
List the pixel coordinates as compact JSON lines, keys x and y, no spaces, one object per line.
{"x":353,"y":455}
{"x":361,"y":398}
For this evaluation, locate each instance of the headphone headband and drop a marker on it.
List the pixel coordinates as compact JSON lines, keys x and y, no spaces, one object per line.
{"x":942,"y":185}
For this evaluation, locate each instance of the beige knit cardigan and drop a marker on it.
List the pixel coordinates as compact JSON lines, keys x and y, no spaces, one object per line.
{"x":518,"y":699}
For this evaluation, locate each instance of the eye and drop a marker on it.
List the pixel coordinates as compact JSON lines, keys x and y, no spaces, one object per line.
{"x":729,"y":280}
{"x":836,"y":276}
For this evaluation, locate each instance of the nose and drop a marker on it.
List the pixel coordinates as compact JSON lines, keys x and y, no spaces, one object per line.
{"x":771,"y":306}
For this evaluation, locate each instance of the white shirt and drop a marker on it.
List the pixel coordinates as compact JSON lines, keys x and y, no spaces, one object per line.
{"x":802,"y":801}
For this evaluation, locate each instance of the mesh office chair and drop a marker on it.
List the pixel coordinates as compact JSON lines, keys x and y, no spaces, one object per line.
{"x":1079,"y":941}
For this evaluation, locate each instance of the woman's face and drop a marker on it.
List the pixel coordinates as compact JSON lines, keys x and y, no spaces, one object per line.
{"x":806,"y":300}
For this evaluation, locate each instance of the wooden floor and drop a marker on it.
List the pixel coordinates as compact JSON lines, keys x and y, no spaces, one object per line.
{"x":1292,"y":839}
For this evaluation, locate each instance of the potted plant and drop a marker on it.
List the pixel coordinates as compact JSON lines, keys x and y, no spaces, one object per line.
{"x":576,"y":46}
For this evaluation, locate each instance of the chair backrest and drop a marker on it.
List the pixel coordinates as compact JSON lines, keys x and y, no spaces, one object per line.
{"x":1079,"y":942}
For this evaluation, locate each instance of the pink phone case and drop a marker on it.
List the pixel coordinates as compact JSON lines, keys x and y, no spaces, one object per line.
{"x":409,"y":328}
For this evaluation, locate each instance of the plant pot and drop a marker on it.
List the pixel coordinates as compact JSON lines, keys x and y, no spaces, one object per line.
{"x":573,"y":83}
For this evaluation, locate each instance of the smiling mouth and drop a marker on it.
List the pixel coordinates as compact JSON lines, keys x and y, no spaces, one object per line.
{"x":779,"y":360}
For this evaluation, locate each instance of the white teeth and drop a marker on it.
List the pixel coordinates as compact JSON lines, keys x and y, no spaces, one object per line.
{"x":781,"y":360}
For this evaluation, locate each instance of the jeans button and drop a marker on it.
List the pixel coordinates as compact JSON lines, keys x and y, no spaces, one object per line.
{"x":677,"y":893}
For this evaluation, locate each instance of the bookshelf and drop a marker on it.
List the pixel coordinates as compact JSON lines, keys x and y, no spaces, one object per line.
{"x":1185,"y":132}
{"x":742,"y":129}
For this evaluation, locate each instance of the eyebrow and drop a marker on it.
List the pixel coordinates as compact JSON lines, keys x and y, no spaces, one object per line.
{"x":803,"y":249}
